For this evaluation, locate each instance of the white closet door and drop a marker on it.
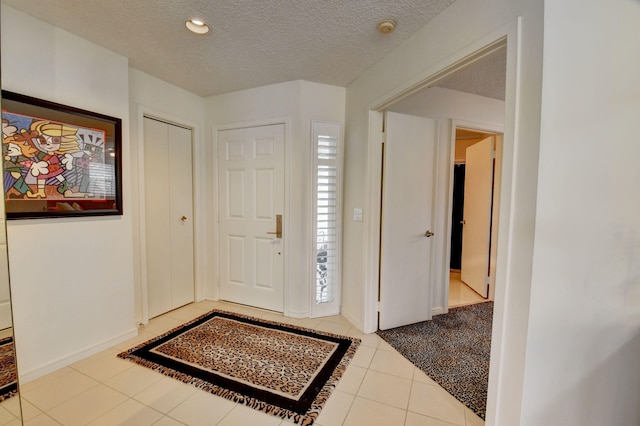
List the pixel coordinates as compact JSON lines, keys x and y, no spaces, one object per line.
{"x":168,"y":196}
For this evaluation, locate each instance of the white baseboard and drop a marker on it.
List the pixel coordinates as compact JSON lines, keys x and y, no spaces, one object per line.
{"x":353,"y":320}
{"x":34,"y":373}
{"x":298,"y":314}
{"x":437,"y":311}
{"x":290,"y":313}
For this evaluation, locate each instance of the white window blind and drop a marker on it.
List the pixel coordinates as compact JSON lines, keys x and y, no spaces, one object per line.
{"x":327,"y":197}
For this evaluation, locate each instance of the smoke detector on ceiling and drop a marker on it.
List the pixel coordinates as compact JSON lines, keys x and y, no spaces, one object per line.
{"x":386,"y":26}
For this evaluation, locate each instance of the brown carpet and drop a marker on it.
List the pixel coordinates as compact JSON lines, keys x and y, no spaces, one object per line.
{"x":453,"y":349}
{"x":282,"y":370}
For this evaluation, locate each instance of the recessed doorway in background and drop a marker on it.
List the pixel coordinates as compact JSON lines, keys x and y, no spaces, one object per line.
{"x":476,"y":179}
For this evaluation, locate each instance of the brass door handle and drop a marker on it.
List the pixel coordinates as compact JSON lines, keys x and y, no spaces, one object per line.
{"x":278,"y":232}
{"x":183,"y":218}
{"x":429,"y":234}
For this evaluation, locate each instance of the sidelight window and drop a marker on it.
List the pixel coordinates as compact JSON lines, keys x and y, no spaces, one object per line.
{"x":327,"y":217}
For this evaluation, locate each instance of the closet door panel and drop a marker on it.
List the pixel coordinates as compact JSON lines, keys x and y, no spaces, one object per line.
{"x":168,"y":192}
{"x":156,"y":193}
{"x":181,"y":207}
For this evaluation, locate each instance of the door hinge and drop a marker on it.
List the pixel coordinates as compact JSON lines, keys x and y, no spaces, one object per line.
{"x":384,"y":137}
{"x":378,"y":307}
{"x":493,"y":154}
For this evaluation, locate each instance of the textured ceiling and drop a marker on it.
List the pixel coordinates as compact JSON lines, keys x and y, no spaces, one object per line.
{"x":485,"y":78}
{"x":252,"y":42}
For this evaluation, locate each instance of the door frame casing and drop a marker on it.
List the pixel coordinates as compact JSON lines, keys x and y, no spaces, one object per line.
{"x":502,"y":356}
{"x":145,"y":111}
{"x":286,"y":237}
{"x":468,"y":56}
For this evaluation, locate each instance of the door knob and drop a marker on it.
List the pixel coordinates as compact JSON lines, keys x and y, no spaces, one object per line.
{"x":429,"y":234}
{"x":183,"y":218}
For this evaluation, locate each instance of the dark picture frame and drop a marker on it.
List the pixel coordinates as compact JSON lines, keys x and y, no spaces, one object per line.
{"x":59,"y":161}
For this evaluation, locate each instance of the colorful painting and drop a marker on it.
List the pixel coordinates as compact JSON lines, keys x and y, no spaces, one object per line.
{"x":58,"y":160}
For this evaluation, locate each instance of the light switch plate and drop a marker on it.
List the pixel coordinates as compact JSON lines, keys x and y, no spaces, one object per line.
{"x":357,"y":215}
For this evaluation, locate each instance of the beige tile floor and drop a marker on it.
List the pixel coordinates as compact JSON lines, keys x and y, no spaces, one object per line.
{"x":461,"y":294}
{"x":380,"y":387}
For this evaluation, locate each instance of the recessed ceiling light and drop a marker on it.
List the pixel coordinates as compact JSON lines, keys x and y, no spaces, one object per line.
{"x":197,"y":26}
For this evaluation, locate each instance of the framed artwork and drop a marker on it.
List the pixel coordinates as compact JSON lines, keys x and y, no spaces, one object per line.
{"x":59,"y":160}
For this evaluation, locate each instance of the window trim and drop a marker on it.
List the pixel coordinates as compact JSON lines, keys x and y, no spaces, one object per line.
{"x":332,"y":129}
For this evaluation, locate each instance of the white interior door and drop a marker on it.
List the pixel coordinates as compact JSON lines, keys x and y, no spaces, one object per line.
{"x":407,"y":210}
{"x":476,"y":232}
{"x":168,"y":185}
{"x":251,"y":197}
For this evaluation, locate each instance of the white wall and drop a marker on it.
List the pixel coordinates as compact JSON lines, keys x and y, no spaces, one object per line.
{"x":154,"y":97}
{"x":299,"y":102}
{"x":445,"y":39}
{"x":583,"y":351}
{"x":72,"y":279}
{"x":445,"y":105}
{"x":319,"y":102}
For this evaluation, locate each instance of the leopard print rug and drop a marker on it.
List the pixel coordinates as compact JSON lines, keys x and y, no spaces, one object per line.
{"x":8,"y":371}
{"x":453,"y":349}
{"x":283,"y":370}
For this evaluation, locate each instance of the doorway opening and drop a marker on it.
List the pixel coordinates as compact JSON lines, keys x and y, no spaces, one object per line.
{"x":470,"y":98}
{"x":473,"y":254}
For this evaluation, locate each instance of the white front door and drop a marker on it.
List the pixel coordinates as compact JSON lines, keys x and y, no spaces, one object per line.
{"x":476,"y":230}
{"x":407,"y":210}
{"x":251,"y":198}
{"x":168,"y":184}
